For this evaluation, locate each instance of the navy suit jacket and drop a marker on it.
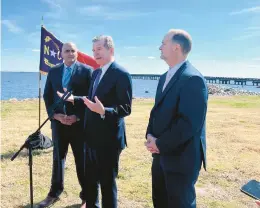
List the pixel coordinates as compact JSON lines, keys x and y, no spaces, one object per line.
{"x":79,"y":83}
{"x":115,"y":93}
{"x":177,"y":120}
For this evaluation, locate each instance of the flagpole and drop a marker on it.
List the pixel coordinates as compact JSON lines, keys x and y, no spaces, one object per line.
{"x":40,"y":78}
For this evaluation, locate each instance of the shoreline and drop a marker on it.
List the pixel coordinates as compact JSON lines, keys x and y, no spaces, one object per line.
{"x":213,"y":90}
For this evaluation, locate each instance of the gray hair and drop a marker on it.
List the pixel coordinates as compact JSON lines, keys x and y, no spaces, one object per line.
{"x":182,"y":38}
{"x":108,"y":41}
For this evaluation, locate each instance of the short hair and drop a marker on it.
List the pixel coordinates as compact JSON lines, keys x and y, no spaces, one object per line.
{"x":182,"y":38}
{"x":108,"y":41}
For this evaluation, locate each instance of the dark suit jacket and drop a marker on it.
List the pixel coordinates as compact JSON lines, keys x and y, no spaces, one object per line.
{"x":115,"y":93}
{"x":79,"y":83}
{"x":178,"y":120}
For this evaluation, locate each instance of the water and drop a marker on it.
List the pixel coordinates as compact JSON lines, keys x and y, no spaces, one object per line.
{"x":21,"y":85}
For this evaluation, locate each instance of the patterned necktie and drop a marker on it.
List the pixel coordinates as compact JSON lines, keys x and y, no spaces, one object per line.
{"x":99,"y":72}
{"x":66,"y":77}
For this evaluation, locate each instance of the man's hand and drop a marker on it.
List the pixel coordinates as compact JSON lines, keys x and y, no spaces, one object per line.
{"x":69,"y":99}
{"x":64,"y":119}
{"x":60,"y":117}
{"x":151,"y":145}
{"x":96,"y":107}
{"x":70,"y":119}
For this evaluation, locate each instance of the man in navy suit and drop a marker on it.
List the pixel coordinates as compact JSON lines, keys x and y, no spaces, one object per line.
{"x":67,"y":122}
{"x":176,"y":130}
{"x":109,"y":101}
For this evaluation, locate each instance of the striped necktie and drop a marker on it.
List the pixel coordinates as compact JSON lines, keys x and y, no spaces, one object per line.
{"x":66,"y":77}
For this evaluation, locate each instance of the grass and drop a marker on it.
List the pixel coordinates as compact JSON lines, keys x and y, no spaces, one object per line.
{"x":233,"y":155}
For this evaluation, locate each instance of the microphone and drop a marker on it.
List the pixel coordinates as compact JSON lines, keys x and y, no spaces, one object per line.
{"x":60,"y":102}
{"x":67,"y":94}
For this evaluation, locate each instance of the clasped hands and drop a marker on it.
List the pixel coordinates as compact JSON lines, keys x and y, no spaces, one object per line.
{"x":64,"y":119}
{"x":151,"y":144}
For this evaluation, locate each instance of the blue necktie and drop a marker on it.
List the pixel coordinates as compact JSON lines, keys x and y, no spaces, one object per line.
{"x":66,"y":77}
{"x":99,"y":72}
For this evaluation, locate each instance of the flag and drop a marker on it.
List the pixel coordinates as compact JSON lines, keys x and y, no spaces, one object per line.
{"x":50,"y":54}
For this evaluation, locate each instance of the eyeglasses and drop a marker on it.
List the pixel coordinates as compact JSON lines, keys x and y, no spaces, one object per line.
{"x":72,"y":51}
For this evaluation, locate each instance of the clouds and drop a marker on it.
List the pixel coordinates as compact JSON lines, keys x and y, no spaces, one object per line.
{"x":113,"y":1}
{"x":108,"y":13}
{"x":92,"y":10}
{"x":255,"y":9}
{"x":252,"y":18}
{"x":59,"y":9}
{"x":56,"y":11}
{"x":252,"y":28}
{"x":52,"y":4}
{"x":130,"y":47}
{"x":143,"y":57}
{"x":256,"y":59}
{"x":248,"y":35}
{"x":12,"y":27}
{"x":227,"y":68}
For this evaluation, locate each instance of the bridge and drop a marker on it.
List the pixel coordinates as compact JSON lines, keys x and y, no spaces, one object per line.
{"x":213,"y":80}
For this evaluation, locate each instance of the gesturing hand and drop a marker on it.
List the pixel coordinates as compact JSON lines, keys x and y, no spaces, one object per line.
{"x":96,"y":107}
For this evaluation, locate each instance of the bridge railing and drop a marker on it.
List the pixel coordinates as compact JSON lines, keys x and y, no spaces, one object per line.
{"x":209,"y":79}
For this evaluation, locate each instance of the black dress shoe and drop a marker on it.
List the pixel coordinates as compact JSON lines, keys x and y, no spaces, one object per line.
{"x":47,"y":202}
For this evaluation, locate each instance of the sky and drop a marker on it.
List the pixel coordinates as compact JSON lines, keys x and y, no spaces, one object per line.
{"x":225,"y":33}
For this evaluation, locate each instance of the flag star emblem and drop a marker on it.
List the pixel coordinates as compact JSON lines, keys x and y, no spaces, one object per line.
{"x":47,"y":39}
{"x":53,"y":53}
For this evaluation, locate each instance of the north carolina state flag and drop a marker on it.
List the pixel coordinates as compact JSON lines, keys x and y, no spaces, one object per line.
{"x":86,"y":59}
{"x":50,"y":54}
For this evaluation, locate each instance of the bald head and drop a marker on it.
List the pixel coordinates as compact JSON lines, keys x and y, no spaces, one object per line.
{"x":182,"y":38}
{"x":69,"y":44}
{"x":175,"y":47}
{"x":69,"y":53}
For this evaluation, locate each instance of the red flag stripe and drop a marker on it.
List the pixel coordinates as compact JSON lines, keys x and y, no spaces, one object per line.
{"x":86,"y":59}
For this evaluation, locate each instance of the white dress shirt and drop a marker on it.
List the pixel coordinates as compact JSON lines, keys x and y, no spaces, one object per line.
{"x":171,"y":72}
{"x":104,"y":69}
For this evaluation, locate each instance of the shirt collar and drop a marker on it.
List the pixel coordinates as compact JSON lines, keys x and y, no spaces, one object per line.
{"x":177,"y":66}
{"x":106,"y":66}
{"x":71,"y":67}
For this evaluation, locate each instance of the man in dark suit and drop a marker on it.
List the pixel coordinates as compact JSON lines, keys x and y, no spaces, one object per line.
{"x":109,"y":101}
{"x":67,"y":122}
{"x":176,"y":130}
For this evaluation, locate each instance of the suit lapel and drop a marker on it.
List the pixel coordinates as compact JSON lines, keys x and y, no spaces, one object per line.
{"x":160,"y":86}
{"x":59,"y":80}
{"x":170,"y":84}
{"x":105,"y":79}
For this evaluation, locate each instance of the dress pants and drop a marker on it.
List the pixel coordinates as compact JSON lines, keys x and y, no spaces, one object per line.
{"x":102,"y":169}
{"x":64,"y":135}
{"x":172,"y":189}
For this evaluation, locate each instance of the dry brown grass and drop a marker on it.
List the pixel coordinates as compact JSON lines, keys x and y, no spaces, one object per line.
{"x":233,"y":150}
